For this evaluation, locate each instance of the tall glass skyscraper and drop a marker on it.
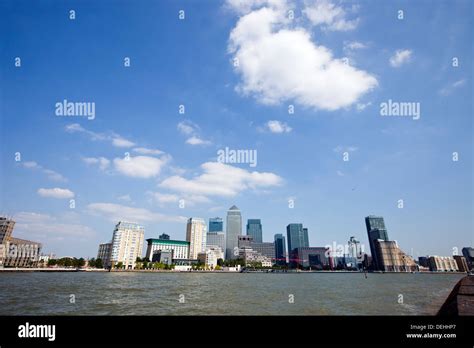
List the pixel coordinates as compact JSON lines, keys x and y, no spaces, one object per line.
{"x":297,"y":238}
{"x":216,"y":225}
{"x":254,"y":229}
{"x":233,"y":231}
{"x":280,"y":249}
{"x":375,"y":230}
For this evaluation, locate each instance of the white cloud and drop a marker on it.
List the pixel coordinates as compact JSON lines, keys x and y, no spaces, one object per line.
{"x":340,"y":149}
{"x":329,"y":16}
{"x":115,"y":139}
{"x":103,"y":162}
{"x":140,"y":166}
{"x":56,"y":193}
{"x":450,"y":88}
{"x":165,"y":197}
{"x":194,"y":140}
{"x":303,"y":71}
{"x":147,"y":151}
{"x":125,"y":198}
{"x":117,"y":212}
{"x":353,"y":46}
{"x":121,"y":142}
{"x":219,"y":179}
{"x":400,"y":57}
{"x":362,"y":106}
{"x":275,"y":126}
{"x":51,"y":174}
{"x":192,"y":131}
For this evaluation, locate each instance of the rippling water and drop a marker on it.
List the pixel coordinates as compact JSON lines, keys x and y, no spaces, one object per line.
{"x":222,"y":294}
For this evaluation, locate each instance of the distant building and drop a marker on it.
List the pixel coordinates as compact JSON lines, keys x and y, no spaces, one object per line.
{"x":6,"y":229}
{"x":462,"y":263}
{"x":468,"y":253}
{"x":392,"y":259}
{"x":216,"y":239}
{"x":354,"y":257}
{"x":265,"y":248}
{"x":234,"y":230}
{"x":127,"y":244}
{"x":376,"y":230}
{"x":104,"y":253}
{"x":21,"y":253}
{"x":179,"y":249}
{"x":164,"y":236}
{"x":280,"y":249}
{"x":424,"y":261}
{"x":210,"y":257}
{"x":163,"y":256}
{"x":312,"y":257}
{"x":254,"y":229}
{"x":196,"y":234}
{"x":443,"y":264}
{"x":245,"y":241}
{"x":249,"y":255}
{"x":216,"y":225}
{"x":297,"y":238}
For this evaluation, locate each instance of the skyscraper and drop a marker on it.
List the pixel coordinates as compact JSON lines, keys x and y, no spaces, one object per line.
{"x":216,"y":225}
{"x":216,"y":239}
{"x":280,"y":249}
{"x":196,"y":235}
{"x":234,"y":230}
{"x":297,"y":238}
{"x":375,"y":230}
{"x":127,"y":244}
{"x":254,"y":229}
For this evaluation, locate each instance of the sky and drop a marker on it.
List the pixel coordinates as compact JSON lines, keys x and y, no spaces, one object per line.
{"x":302,"y":83}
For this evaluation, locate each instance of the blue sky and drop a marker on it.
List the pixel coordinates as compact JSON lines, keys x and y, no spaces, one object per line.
{"x":282,"y":62}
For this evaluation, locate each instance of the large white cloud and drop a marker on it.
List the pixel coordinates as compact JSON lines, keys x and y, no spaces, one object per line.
{"x":278,"y":63}
{"x":219,"y":179}
{"x":56,"y":192}
{"x":140,"y":166}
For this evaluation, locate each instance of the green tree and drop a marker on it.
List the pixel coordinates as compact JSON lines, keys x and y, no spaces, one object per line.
{"x":119,"y":265}
{"x":99,"y":263}
{"x":52,"y":262}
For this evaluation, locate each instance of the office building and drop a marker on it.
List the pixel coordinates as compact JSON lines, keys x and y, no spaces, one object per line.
{"x":127,"y":244}
{"x":245,"y":241}
{"x":468,"y":253}
{"x":392,"y":259}
{"x":210,"y":257}
{"x":196,"y":234}
{"x":104,"y":253}
{"x":249,"y":256}
{"x":315,"y":258}
{"x":216,"y":225}
{"x":462,"y":263}
{"x":297,"y":237}
{"x":162,"y":256}
{"x":280,"y":249}
{"x":6,"y":229}
{"x":424,"y":261}
{"x":233,"y":231}
{"x":179,"y":249}
{"x":265,"y":248}
{"x":443,"y":264}
{"x":215,"y":239}
{"x":21,"y":253}
{"x":254,"y":229}
{"x":376,"y":231}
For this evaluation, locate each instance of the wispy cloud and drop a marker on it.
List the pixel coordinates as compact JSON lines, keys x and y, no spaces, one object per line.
{"x":115,"y":139}
{"x":274,"y":126}
{"x":192,"y":130}
{"x":449,"y":89}
{"x":51,"y":174}
{"x":400,"y":57}
{"x":341,"y":149}
{"x":330,"y":16}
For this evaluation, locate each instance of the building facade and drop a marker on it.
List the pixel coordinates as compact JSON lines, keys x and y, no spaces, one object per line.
{"x":468,"y":253}
{"x":21,"y":253}
{"x":216,"y":225}
{"x":297,"y":237}
{"x":266,"y":249}
{"x":104,"y":253}
{"x":462,"y":263}
{"x":233,"y":231}
{"x":316,"y":258}
{"x":196,"y":235}
{"x":443,"y":264}
{"x":178,"y":248}
{"x":280,"y":249}
{"x":245,"y":241}
{"x":392,"y":259}
{"x":6,"y":229}
{"x":254,"y":229}
{"x":376,"y":230}
{"x":127,"y":244}
{"x":215,"y":239}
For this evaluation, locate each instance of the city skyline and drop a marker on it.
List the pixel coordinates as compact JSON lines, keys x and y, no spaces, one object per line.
{"x":149,"y":147}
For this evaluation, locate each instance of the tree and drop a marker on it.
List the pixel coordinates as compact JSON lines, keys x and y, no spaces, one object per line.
{"x":52,"y":262}
{"x":99,"y":263}
{"x":220,"y":262}
{"x":119,"y":265}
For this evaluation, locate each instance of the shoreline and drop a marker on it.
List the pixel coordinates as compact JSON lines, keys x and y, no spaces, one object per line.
{"x":69,"y":270}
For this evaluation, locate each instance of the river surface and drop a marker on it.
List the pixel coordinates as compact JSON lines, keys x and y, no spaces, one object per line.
{"x":135,"y":293}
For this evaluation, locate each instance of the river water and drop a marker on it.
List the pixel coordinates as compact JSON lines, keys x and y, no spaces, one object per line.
{"x":135,"y":293}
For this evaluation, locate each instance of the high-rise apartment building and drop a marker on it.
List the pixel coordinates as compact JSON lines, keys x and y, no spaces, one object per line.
{"x":254,"y":229}
{"x":376,"y":230}
{"x":196,"y":235}
{"x":127,"y":244}
{"x":104,"y":253}
{"x":234,"y":230}
{"x":392,"y":259}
